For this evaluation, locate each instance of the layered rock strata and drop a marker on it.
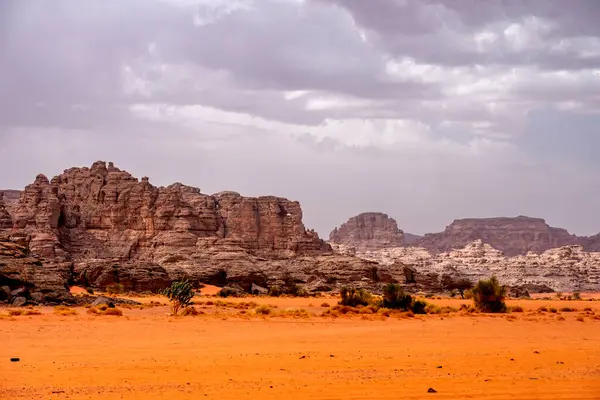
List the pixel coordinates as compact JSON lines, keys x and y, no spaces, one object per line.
{"x":110,"y":227}
{"x":369,"y":231}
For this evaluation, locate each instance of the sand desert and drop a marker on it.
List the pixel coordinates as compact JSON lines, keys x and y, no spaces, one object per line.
{"x":231,"y":352}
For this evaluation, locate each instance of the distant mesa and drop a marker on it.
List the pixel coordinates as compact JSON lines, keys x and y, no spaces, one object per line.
{"x":370,"y":231}
{"x":511,"y":235}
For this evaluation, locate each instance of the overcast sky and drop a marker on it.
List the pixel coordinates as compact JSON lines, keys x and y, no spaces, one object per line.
{"x":427,"y":110}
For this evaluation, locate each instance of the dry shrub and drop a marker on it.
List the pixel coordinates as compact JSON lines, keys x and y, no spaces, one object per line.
{"x":511,"y":317}
{"x":14,"y":313}
{"x":295,"y":312}
{"x":263,"y":310}
{"x":64,"y":310}
{"x":587,"y":309}
{"x":560,"y":318}
{"x":115,"y":288}
{"x":191,"y":311}
{"x":385,"y":312}
{"x":542,"y":309}
{"x":325,"y":305}
{"x":114,"y":311}
{"x":597,"y":317}
{"x":567,"y":309}
{"x":32,"y":312}
{"x":552,"y":310}
{"x":331,"y":313}
{"x":580,"y":319}
{"x":346,"y":309}
{"x":517,"y":309}
{"x":103,"y":309}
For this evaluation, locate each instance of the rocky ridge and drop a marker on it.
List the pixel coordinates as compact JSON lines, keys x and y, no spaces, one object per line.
{"x":369,"y":231}
{"x":512,"y":236}
{"x":568,"y":268}
{"x":104,"y":226}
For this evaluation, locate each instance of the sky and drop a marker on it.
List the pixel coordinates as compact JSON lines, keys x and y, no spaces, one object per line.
{"x":427,"y":110}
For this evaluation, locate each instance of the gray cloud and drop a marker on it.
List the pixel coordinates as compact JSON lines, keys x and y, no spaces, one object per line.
{"x":426,"y":110}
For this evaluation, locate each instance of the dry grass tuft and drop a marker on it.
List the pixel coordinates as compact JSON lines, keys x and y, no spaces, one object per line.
{"x":191,"y":311}
{"x":517,"y":309}
{"x":14,"y":313}
{"x":103,"y":309}
{"x":64,"y":310}
{"x":325,"y":305}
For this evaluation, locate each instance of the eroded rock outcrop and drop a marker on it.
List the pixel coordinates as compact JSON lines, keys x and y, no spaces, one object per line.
{"x":34,"y":279}
{"x":512,"y":236}
{"x":5,"y":218}
{"x":567,"y":268}
{"x":113,"y":228}
{"x":11,"y":197}
{"x":369,"y":231}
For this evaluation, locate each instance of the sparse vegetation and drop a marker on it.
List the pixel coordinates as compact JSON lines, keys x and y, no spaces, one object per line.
{"x":263,"y":310}
{"x":553,"y":310}
{"x":324,"y":305}
{"x":228,"y":292}
{"x":419,"y":307}
{"x":64,"y":310}
{"x":577,"y":296}
{"x":489,"y":296}
{"x":456,"y":284}
{"x":180,"y":294}
{"x":567,"y":309}
{"x":353,"y":297}
{"x":115,"y":288}
{"x":516,"y":309}
{"x":103,"y":309}
{"x":395,"y":298}
{"x":275,"y":291}
{"x":191,"y":311}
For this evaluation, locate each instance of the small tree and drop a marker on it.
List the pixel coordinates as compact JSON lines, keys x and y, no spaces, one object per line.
{"x":460,"y":284}
{"x":394,"y":297}
{"x":354,"y":297}
{"x":180,"y":295}
{"x":489,"y":295}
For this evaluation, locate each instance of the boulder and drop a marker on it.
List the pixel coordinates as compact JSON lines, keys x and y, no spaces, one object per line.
{"x":103,"y":301}
{"x":19,"y":301}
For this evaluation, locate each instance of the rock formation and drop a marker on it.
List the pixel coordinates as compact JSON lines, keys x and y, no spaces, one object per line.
{"x":369,"y":231}
{"x":568,"y":268}
{"x":5,"y":218}
{"x":111,"y":228}
{"x":11,"y":197}
{"x":512,"y":236}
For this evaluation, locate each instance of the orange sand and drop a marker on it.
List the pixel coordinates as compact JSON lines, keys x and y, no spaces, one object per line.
{"x":149,"y":355}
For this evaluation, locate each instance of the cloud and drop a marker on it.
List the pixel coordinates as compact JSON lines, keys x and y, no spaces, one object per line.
{"x":426,"y":110}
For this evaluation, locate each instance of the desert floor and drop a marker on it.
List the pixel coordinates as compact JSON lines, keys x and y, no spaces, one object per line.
{"x":224,"y":354}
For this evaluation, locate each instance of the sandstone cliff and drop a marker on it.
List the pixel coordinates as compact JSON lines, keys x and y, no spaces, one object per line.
{"x":108,"y":227}
{"x":371,"y":230}
{"x":512,"y":236}
{"x":11,"y":197}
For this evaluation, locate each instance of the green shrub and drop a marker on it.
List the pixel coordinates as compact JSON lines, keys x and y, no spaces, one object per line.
{"x":489,"y":295}
{"x":115,"y":288}
{"x":180,"y":294}
{"x":395,"y":298}
{"x":353,"y":297}
{"x":577,"y":296}
{"x":419,"y":306}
